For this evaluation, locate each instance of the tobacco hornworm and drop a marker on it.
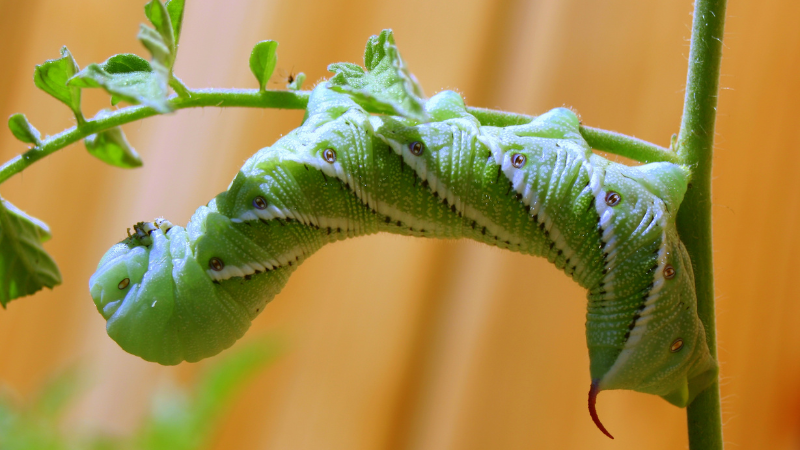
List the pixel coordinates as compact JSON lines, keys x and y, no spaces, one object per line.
{"x":171,"y":294}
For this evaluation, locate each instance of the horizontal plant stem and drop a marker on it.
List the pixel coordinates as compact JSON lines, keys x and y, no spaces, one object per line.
{"x":603,"y":140}
{"x":494,"y":118}
{"x":627,"y":146}
{"x":251,"y":98}
{"x":247,"y":98}
{"x":607,"y":141}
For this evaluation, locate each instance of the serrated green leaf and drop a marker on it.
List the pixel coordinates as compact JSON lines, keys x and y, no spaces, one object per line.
{"x":111,"y":147}
{"x":162,"y":53}
{"x":126,"y":77}
{"x":387,"y":86}
{"x":23,"y":130}
{"x":373,"y":52}
{"x":263,"y":59}
{"x":348,"y":70}
{"x":175,"y":10}
{"x":297,"y":83}
{"x":52,"y":76}
{"x":24,"y":265}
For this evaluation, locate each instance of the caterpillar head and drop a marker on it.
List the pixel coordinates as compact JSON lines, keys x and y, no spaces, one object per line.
{"x":160,"y":303}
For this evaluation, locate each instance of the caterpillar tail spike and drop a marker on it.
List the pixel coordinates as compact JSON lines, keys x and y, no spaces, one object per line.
{"x":594,"y":389}
{"x":171,"y":294}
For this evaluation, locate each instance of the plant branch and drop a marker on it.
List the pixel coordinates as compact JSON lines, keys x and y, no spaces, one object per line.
{"x":695,"y":145}
{"x":603,"y":140}
{"x":180,"y":88}
{"x":494,"y":118}
{"x":627,"y":146}
{"x":607,"y":141}
{"x":202,"y":97}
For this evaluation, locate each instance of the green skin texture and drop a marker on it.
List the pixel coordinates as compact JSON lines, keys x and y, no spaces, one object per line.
{"x":175,"y":306}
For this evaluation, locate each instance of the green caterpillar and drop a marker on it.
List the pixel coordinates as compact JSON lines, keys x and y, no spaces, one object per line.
{"x":171,"y":294}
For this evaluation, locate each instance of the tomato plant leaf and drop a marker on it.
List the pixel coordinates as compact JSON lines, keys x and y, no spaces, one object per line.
{"x":52,"y":75}
{"x":158,"y":15}
{"x":23,"y":130}
{"x":111,"y":147}
{"x":24,"y":265}
{"x":127,"y":77}
{"x":175,"y":10}
{"x":263,"y":59}
{"x":386,"y":86}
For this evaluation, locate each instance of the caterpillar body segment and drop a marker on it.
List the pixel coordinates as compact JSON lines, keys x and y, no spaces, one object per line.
{"x":534,"y":188}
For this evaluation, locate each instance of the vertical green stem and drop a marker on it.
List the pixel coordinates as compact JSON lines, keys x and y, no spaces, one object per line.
{"x":695,"y":145}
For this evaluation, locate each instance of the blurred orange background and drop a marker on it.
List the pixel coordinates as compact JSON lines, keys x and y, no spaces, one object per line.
{"x":406,"y":343}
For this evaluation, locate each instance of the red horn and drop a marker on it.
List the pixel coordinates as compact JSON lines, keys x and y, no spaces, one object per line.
{"x":593,"y":391}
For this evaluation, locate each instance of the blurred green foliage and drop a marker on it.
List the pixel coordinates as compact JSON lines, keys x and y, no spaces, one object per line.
{"x":179,"y":419}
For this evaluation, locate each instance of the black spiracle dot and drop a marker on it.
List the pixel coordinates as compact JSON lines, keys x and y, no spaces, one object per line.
{"x":613,"y":198}
{"x":124,"y":283}
{"x":518,"y":160}
{"x":416,"y":148}
{"x":216,"y":264}
{"x":676,"y":345}
{"x":259,"y":203}
{"x":669,"y":272}
{"x":329,"y":155}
